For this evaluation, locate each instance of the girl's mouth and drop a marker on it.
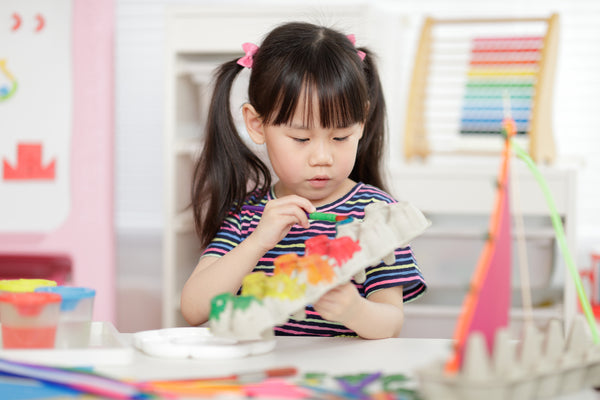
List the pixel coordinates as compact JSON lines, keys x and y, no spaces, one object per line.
{"x":318,"y":182}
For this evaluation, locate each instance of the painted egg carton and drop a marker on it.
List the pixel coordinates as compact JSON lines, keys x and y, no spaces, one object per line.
{"x":543,"y":365}
{"x":384,"y":228}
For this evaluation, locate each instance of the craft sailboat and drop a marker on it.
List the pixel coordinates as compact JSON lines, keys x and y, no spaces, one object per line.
{"x":485,"y":362}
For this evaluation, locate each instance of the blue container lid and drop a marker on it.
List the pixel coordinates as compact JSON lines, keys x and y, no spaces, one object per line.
{"x":71,"y":295}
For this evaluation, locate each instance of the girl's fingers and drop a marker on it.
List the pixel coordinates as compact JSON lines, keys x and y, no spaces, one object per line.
{"x":298,"y":201}
{"x":292,"y":205}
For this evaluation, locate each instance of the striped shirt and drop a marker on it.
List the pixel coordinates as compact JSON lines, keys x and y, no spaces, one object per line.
{"x":404,"y":271}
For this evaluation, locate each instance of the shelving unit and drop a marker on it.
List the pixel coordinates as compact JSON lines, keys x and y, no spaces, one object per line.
{"x":457,"y":194}
{"x":197,"y":42}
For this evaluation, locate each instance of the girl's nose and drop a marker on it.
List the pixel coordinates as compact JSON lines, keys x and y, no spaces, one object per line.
{"x":321,"y":154}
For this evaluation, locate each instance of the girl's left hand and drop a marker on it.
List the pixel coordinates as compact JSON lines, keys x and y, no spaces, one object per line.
{"x":340,"y":304}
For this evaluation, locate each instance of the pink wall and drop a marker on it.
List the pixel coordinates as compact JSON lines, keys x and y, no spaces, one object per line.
{"x":87,"y":235}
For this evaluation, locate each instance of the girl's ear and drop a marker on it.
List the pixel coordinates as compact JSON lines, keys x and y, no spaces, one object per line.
{"x":254,"y":124}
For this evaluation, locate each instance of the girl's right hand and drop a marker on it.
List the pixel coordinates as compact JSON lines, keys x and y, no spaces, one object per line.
{"x":278,"y":218}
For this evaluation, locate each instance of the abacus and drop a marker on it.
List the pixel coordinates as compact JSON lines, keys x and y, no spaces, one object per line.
{"x":464,"y":71}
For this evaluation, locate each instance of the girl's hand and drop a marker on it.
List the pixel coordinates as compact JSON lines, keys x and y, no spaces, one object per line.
{"x":340,"y":304}
{"x":278,"y":218}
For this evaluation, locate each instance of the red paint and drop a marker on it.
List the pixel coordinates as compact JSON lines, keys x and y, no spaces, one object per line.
{"x":340,"y":249}
{"x":29,"y":304}
{"x":29,"y":164}
{"x":28,"y":337}
{"x":316,"y":245}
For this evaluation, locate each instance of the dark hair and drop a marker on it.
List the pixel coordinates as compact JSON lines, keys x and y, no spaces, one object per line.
{"x":293,"y":58}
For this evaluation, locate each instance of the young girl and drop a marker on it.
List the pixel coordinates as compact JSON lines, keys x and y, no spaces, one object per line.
{"x":315,"y":102}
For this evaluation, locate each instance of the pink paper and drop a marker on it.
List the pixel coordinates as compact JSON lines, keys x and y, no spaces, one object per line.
{"x":492,"y":309}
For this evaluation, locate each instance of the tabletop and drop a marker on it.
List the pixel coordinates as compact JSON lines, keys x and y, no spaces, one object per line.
{"x":335,"y":356}
{"x":332,"y":356}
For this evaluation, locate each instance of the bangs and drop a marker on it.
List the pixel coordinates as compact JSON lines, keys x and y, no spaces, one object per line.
{"x":339,"y":104}
{"x":329,"y":76}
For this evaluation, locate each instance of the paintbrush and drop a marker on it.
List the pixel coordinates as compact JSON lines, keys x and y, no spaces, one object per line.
{"x":316,"y":216}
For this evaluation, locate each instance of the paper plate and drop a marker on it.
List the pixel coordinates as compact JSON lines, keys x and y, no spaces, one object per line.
{"x":196,"y":342}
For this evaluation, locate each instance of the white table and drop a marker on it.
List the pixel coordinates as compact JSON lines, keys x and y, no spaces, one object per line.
{"x":333,"y":356}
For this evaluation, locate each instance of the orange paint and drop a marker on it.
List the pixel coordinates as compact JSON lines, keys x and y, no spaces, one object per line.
{"x":41,"y":337}
{"x":317,"y":269}
{"x":285,"y":264}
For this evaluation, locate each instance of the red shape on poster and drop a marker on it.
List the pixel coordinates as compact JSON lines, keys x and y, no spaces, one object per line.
{"x":17,"y":18}
{"x":29,"y":164}
{"x":40,"y":22}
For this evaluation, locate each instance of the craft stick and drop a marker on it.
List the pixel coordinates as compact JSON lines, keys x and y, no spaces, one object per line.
{"x":242,"y":377}
{"x":316,"y":216}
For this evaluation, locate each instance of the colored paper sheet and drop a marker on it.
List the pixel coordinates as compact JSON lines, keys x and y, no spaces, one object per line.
{"x":30,"y":389}
{"x":491,"y":312}
{"x":486,"y":306}
{"x":72,"y":379}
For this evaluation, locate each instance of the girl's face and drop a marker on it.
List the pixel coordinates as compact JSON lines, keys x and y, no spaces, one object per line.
{"x":310,"y":161}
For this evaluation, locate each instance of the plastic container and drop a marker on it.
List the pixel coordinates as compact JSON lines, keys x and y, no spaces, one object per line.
{"x":75,"y":317}
{"x":29,"y":319}
{"x":24,"y":285}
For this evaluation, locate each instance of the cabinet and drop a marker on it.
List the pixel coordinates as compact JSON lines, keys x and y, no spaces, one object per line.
{"x":199,"y":38}
{"x":457,"y":194}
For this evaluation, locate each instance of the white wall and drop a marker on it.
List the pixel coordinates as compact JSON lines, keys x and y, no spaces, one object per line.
{"x":140,"y":94}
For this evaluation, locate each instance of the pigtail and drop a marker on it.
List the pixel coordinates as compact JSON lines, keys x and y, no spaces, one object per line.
{"x":227,"y":169}
{"x":369,"y":157}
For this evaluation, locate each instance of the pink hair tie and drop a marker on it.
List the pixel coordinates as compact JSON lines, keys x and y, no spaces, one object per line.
{"x":352,"y":40}
{"x":250,"y":49}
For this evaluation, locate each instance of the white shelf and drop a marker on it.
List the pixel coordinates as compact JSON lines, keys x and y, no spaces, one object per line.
{"x":188,"y":146}
{"x":184,"y":222}
{"x":456,"y":192}
{"x":536,"y":233}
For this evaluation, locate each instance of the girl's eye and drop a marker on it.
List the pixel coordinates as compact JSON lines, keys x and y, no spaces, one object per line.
{"x":341,"y":138}
{"x":300,"y":140}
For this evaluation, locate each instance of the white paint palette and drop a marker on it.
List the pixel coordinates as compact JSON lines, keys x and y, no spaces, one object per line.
{"x":197,"y":342}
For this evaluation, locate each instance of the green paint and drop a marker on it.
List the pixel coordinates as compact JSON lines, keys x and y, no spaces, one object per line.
{"x":218,"y":304}
{"x":320,"y":216}
{"x":244,"y":302}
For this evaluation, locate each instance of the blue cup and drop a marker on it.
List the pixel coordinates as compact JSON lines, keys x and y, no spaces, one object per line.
{"x":76,"y":309}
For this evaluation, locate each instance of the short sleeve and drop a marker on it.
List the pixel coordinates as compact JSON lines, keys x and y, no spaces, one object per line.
{"x":227,"y":238}
{"x":404,"y":272}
